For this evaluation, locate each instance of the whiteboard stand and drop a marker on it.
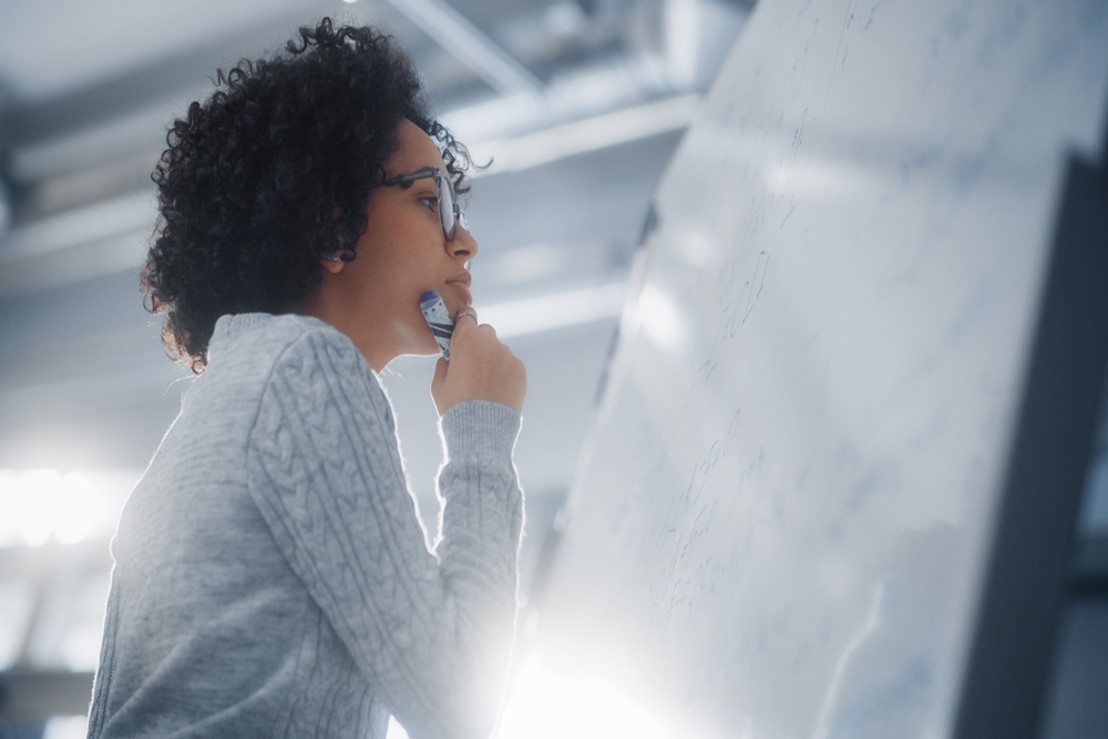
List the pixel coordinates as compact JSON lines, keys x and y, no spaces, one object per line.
{"x":1033,"y":551}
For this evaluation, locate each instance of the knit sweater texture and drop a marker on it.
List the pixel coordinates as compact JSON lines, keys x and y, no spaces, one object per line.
{"x":272,"y":577}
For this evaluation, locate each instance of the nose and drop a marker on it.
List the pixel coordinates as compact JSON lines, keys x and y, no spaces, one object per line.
{"x":463,"y":245}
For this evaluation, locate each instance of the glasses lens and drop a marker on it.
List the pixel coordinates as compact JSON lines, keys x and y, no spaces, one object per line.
{"x":447,"y":206}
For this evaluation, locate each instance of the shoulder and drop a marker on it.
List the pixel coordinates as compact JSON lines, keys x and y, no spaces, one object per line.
{"x":299,"y":358}
{"x":317,"y":391}
{"x":312,"y":347}
{"x":232,"y":331}
{"x":259,"y":356}
{"x":265,"y":342}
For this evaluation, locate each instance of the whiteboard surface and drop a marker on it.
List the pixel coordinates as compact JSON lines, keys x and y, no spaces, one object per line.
{"x":780,"y":526}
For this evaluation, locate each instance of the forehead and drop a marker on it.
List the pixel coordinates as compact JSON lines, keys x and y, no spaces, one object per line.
{"x":414,"y":150}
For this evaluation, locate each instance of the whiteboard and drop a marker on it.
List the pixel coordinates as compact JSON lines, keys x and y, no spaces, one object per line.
{"x":780,"y":524}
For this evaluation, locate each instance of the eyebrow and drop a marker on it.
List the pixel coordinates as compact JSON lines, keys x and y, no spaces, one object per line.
{"x":424,"y":171}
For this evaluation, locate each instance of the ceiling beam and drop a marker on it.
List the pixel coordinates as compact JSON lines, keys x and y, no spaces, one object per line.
{"x":455,"y":33}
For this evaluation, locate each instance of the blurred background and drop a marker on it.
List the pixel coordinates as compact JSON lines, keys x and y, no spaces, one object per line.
{"x":579,"y":105}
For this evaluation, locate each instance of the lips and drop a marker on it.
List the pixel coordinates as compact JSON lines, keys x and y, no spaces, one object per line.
{"x":461,"y":283}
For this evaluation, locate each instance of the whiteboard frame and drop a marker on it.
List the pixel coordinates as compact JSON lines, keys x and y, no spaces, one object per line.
{"x":1004,"y":685}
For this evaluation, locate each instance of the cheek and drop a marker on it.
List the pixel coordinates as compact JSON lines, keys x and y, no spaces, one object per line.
{"x":402,"y":253}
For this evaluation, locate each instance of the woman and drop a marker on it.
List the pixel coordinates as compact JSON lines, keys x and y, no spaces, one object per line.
{"x":271,"y":574}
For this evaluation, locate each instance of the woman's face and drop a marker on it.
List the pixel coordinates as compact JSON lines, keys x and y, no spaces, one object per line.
{"x":402,"y":254}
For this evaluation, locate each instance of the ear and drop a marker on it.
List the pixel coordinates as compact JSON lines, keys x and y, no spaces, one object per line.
{"x":334,"y":266}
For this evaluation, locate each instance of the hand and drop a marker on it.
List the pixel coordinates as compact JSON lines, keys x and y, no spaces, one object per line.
{"x":480,"y":368}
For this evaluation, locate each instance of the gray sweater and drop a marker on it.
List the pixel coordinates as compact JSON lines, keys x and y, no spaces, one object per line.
{"x":272,"y":577}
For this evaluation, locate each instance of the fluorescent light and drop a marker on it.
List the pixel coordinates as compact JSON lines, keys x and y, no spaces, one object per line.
{"x":555,"y":310}
{"x":103,"y":220}
{"x":31,"y":511}
{"x":40,"y":506}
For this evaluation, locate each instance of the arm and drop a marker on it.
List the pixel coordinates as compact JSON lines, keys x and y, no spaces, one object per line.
{"x":425,"y":628}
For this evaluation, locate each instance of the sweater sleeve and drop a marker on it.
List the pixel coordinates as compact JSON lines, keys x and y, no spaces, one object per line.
{"x":431,"y":631}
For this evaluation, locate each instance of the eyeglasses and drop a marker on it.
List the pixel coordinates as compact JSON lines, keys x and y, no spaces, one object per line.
{"x":450,"y":212}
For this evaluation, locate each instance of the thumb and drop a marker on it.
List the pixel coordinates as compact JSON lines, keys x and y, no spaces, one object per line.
{"x":440,"y":373}
{"x":438,"y":386}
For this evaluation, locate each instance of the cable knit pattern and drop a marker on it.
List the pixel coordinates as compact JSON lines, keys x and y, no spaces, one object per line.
{"x":272,"y":576}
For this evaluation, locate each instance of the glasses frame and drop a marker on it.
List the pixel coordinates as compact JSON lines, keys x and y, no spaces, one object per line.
{"x":451,"y":212}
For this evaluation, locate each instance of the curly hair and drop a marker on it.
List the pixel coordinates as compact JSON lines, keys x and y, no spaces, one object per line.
{"x":272,"y":173}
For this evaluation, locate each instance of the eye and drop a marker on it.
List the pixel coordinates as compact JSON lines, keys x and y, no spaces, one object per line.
{"x":431,"y":202}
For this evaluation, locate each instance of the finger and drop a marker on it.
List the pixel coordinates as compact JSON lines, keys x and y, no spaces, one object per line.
{"x":466,"y":311}
{"x":440,"y":372}
{"x":437,"y":384}
{"x":488,"y":330}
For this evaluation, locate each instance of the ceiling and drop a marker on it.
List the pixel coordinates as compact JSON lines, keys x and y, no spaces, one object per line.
{"x":578,"y":103}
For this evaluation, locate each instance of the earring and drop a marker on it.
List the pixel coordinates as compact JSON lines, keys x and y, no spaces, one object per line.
{"x":342,"y":255}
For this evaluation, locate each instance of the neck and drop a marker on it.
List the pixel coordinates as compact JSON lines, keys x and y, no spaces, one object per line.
{"x":373,"y":339}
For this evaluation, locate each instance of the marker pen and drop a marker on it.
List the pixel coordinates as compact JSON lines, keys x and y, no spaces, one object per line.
{"x":438,"y":319}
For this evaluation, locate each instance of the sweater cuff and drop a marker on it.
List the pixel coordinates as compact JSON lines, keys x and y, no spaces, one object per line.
{"x":481,"y":430}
